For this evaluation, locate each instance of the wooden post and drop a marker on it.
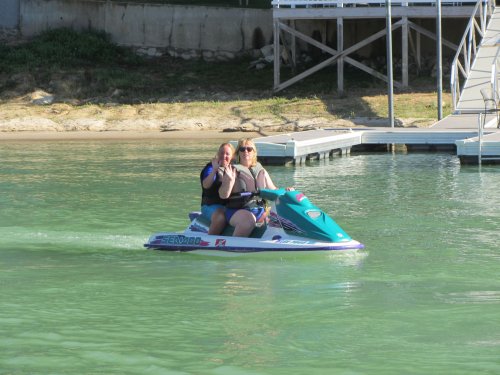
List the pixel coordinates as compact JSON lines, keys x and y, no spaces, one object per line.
{"x":439,"y":62}
{"x":413,"y":46}
{"x":294,"y":46}
{"x":404,"y":52}
{"x":276,"y":54}
{"x":419,"y":51}
{"x":390,"y":82}
{"x":340,"y":61}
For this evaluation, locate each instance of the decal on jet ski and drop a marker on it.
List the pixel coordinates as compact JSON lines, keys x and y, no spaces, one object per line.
{"x":219,"y":242}
{"x":196,"y":227}
{"x":182,"y":240}
{"x":300,"y":197}
{"x":293,"y":242}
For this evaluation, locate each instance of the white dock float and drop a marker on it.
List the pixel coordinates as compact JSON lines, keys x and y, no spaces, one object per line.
{"x":468,"y":149}
{"x":300,"y":146}
{"x":416,"y":136}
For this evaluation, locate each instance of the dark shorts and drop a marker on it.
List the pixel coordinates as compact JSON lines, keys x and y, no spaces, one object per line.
{"x":256,"y":211}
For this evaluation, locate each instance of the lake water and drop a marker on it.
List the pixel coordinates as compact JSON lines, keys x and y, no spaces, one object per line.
{"x":80,"y":295}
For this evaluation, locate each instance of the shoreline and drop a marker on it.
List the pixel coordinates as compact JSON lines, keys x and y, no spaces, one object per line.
{"x":117,"y":135}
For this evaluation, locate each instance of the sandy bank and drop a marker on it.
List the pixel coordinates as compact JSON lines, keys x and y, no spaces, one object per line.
{"x":124,"y":135}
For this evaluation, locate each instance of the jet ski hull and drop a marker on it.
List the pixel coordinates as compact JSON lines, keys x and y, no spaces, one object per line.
{"x":293,"y":224}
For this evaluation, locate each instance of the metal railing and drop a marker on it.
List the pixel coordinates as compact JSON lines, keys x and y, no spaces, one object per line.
{"x":491,"y":99}
{"x":468,"y":47}
{"x":341,"y":3}
{"x":495,"y":70}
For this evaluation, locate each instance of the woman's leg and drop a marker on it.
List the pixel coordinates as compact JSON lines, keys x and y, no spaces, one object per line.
{"x":243,"y":222}
{"x":217,"y":222}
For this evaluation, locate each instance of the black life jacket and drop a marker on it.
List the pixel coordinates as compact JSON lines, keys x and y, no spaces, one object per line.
{"x":211,"y":195}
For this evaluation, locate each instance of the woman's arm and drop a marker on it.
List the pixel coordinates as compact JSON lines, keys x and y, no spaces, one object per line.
{"x":210,"y":179}
{"x":269,"y":182}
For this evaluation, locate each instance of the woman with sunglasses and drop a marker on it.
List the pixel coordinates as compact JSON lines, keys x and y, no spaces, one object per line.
{"x":246,"y":175}
{"x":212,"y":205}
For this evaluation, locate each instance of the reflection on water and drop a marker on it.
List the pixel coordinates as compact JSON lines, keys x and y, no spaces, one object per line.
{"x":480,"y":296}
{"x":81,"y":295}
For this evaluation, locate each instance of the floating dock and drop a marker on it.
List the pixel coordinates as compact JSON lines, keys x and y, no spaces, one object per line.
{"x":455,"y":133}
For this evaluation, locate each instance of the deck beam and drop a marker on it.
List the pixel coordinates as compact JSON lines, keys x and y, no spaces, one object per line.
{"x":353,"y":9}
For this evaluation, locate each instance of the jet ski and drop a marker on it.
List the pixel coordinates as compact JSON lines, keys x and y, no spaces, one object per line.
{"x":292,"y":223}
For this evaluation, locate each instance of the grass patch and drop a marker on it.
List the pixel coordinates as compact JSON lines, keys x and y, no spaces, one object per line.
{"x":86,"y":67}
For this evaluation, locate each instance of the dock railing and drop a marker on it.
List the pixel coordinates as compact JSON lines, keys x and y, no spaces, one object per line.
{"x":468,"y":47}
{"x":343,"y":3}
{"x":491,"y":100}
{"x":495,"y":71}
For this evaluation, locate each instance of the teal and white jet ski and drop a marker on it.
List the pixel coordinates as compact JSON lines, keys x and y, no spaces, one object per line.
{"x":293,"y":223}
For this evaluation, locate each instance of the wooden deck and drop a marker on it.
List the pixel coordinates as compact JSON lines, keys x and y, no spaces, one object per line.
{"x":458,"y":132}
{"x":287,"y":15}
{"x":355,"y":9}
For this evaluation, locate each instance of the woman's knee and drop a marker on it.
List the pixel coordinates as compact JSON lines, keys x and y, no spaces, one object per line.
{"x":243,"y":218}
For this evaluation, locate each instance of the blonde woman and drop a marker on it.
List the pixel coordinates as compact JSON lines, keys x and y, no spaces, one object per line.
{"x":246,"y":175}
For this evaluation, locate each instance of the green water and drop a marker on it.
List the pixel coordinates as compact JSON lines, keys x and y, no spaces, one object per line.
{"x":80,"y":295}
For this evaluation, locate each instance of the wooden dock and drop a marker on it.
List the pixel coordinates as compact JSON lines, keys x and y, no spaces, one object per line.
{"x":290,"y":16}
{"x":459,"y":132}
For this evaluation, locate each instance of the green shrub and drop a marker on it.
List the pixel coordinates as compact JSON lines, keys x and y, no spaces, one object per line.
{"x":64,"y":47}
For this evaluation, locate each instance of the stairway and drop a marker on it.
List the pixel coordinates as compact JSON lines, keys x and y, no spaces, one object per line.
{"x":479,"y":78}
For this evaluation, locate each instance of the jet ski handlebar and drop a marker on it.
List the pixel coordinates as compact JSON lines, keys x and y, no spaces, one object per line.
{"x":244,"y":194}
{"x":263,"y":193}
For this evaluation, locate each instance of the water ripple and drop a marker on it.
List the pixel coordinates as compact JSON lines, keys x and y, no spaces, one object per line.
{"x":474,"y":297}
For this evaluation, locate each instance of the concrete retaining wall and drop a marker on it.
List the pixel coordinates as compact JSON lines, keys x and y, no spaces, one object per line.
{"x":212,"y":32}
{"x":9,"y":14}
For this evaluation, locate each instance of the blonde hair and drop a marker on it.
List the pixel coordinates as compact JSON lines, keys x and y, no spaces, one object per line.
{"x":247,"y":142}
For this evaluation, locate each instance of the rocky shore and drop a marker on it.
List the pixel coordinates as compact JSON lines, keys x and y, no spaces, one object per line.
{"x":38,"y":116}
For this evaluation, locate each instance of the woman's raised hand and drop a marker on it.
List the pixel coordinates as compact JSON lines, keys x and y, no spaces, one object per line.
{"x":230,"y":172}
{"x":215,"y":163}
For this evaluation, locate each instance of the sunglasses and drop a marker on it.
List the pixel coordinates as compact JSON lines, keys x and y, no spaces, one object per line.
{"x":243,"y":149}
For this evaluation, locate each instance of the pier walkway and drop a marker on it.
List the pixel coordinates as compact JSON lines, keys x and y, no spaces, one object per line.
{"x":480,"y":75}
